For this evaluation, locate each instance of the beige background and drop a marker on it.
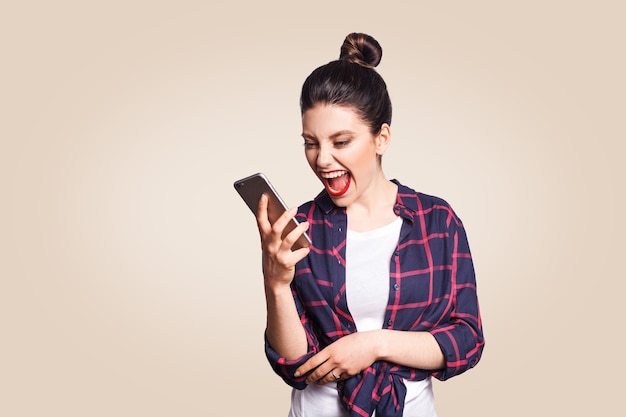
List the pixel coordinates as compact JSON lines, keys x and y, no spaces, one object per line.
{"x":130,"y":280}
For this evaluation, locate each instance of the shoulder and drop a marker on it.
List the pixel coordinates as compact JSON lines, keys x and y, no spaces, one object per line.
{"x":411,"y":197}
{"x":426,"y":206}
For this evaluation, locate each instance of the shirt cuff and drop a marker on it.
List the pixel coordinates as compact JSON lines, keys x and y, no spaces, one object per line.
{"x":285,"y":368}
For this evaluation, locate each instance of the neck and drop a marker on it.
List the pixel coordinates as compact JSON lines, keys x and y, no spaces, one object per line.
{"x":374,"y":211}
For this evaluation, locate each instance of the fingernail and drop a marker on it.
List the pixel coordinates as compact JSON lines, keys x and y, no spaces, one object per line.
{"x":296,"y":374}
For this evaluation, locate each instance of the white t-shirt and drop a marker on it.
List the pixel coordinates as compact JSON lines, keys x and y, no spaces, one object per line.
{"x":367,"y":290}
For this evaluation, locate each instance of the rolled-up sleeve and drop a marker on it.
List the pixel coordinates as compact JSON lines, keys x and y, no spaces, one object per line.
{"x":460,"y":337}
{"x":285,"y":368}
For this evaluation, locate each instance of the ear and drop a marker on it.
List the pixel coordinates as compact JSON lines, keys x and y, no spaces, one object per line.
{"x":382,"y":139}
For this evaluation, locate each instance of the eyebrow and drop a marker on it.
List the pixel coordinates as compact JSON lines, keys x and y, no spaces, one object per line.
{"x":333,"y":136}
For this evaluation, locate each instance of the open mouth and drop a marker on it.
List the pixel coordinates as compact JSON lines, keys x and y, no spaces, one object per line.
{"x":336,"y":182}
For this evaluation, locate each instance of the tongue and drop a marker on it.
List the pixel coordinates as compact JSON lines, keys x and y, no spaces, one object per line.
{"x":339,"y":183}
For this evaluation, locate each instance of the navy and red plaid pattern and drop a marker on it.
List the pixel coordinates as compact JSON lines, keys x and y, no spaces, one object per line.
{"x":432,"y":288}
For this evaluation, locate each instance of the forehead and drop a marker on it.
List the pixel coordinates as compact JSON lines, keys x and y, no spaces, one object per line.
{"x":323,"y":120}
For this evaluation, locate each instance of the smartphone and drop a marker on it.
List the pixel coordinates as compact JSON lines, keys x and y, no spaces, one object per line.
{"x":252,"y":188}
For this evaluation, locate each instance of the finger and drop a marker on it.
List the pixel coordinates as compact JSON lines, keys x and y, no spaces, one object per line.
{"x":280,"y":223}
{"x":314,"y":362}
{"x":295,"y":234}
{"x":321,"y":374}
{"x":334,"y":375}
{"x":261,"y":215}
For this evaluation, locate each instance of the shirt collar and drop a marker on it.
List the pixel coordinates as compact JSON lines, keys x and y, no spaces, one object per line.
{"x":406,"y":202}
{"x":324,"y":202}
{"x":405,"y":206}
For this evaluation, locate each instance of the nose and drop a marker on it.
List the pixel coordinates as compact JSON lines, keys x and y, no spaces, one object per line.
{"x":324,"y":157}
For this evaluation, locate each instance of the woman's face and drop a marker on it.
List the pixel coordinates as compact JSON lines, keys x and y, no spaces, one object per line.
{"x":342,"y":151}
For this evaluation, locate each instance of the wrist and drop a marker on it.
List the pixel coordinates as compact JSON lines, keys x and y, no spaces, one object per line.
{"x":277,"y":290}
{"x":379,"y":343}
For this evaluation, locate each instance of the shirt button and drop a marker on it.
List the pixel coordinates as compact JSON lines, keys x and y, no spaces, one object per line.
{"x":389,"y":322}
{"x":340,"y":229}
{"x":396,"y":287}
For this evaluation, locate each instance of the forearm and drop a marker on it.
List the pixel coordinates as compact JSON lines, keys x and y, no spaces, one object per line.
{"x":407,"y":348}
{"x":284,"y":330}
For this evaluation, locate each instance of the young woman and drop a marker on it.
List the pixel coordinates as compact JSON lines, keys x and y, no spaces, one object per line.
{"x":385,"y":298}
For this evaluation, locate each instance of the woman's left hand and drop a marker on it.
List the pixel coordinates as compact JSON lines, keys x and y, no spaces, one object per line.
{"x":342,"y":359}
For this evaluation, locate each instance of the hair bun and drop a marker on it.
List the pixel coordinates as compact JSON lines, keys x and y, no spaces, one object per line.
{"x":361,"y":49}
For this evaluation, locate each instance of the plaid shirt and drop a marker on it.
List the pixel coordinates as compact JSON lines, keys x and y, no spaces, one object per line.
{"x":432,"y":288}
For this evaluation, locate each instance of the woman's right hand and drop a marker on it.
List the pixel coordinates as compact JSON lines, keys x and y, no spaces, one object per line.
{"x":279,"y":260}
{"x":284,"y":330}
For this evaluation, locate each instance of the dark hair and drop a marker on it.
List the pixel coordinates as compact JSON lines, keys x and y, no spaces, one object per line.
{"x":351,"y":81}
